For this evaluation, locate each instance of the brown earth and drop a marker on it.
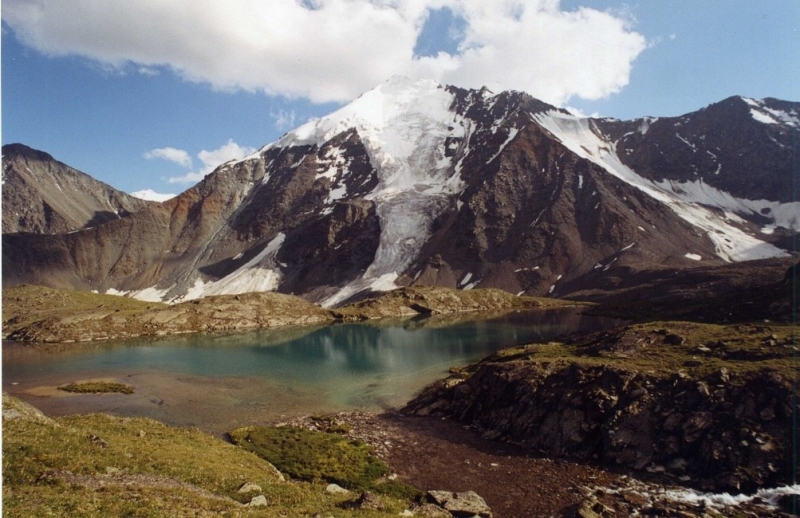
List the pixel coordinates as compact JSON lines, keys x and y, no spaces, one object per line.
{"x":440,"y":454}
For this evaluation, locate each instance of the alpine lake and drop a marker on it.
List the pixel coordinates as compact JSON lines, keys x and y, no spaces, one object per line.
{"x":220,"y":382}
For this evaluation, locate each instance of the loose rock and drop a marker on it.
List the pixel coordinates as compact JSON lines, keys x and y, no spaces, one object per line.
{"x":467,"y":503}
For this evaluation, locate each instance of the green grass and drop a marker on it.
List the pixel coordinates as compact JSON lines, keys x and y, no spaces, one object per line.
{"x":100,"y":465}
{"x":97,"y":387}
{"x":664,"y":348}
{"x":317,"y":456}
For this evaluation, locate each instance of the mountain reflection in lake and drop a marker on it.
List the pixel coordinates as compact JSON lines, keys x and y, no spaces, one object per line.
{"x":366,"y":365}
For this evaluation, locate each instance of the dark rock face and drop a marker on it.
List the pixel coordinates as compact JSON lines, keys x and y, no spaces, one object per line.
{"x":723,"y":144}
{"x":44,"y":196}
{"x":330,"y":251}
{"x":496,"y":191}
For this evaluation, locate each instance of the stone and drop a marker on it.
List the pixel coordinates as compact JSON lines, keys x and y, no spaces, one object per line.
{"x":634,"y":498}
{"x":367,"y":500}
{"x":335,"y":489}
{"x":673,"y":339}
{"x":249,"y":487}
{"x":586,"y":509}
{"x":467,"y":503}
{"x":258,"y":501}
{"x":97,"y":441}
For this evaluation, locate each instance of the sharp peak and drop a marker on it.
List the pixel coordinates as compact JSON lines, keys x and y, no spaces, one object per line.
{"x":17,"y":149}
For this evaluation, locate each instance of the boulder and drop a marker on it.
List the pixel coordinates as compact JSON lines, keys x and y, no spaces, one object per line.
{"x":336,"y":489}
{"x":467,"y":503}
{"x":249,"y":487}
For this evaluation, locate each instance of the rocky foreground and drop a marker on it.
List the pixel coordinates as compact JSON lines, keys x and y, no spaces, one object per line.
{"x":708,"y":406}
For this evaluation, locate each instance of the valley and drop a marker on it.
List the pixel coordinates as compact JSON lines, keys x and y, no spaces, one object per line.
{"x":418,"y":209}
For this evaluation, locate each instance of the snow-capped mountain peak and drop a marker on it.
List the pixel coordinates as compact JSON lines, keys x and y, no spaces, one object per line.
{"x":418,"y":183}
{"x":404,"y":125}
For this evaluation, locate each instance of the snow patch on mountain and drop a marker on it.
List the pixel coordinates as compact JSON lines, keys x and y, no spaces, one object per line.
{"x":732,"y":244}
{"x":786,"y":215}
{"x":261,"y":273}
{"x":766,"y":115}
{"x":151,"y":294}
{"x":511,"y":134}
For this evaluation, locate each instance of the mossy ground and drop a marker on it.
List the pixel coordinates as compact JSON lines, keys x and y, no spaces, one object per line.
{"x":100,"y":465}
{"x":316,"y":456}
{"x":664,"y":348}
{"x":23,"y":305}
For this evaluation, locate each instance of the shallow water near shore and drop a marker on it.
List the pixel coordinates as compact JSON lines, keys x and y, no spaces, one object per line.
{"x":218,"y":382}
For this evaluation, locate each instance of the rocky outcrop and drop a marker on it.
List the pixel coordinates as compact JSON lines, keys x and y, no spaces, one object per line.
{"x":225,"y":313}
{"x":422,"y":301}
{"x":14,"y":409}
{"x":711,"y":406}
{"x":35,"y":314}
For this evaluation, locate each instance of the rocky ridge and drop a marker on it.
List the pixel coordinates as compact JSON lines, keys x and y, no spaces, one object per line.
{"x":44,"y":196}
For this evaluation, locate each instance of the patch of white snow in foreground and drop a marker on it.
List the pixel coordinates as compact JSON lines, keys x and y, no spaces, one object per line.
{"x":693,"y":257}
{"x":731,"y":243}
{"x":771,"y":496}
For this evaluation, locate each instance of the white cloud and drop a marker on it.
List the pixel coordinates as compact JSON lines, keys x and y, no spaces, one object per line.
{"x":284,"y":119}
{"x":170,"y":154}
{"x":212,"y":159}
{"x":332,"y":50}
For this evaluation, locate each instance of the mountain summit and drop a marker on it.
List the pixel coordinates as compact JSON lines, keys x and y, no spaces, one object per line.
{"x":44,"y":196}
{"x":418,"y":183}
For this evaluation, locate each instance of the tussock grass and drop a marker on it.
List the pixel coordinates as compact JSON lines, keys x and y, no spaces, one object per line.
{"x":100,"y":465}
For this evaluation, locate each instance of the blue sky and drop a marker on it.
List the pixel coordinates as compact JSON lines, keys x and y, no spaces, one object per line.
{"x":135,"y":103}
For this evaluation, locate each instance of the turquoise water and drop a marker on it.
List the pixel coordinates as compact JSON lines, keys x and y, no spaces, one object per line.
{"x":343,"y":366}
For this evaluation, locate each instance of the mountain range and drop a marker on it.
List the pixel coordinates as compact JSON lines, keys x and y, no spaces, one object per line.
{"x":415,"y":183}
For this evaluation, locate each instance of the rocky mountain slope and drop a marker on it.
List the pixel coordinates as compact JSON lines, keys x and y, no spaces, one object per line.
{"x":44,"y":196}
{"x":414,"y":183}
